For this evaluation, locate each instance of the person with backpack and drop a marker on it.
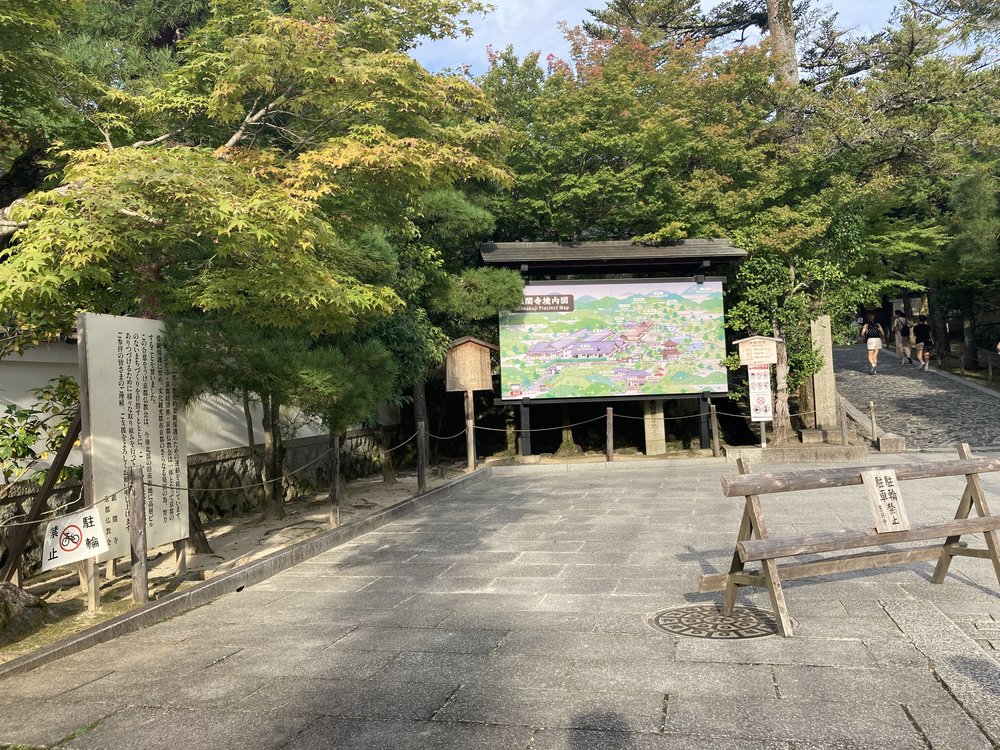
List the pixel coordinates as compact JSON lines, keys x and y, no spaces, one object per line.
{"x":872,"y":334}
{"x":922,"y":334}
{"x":901,"y":328}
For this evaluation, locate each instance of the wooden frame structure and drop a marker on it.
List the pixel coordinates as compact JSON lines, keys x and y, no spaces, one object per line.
{"x":754,"y":545}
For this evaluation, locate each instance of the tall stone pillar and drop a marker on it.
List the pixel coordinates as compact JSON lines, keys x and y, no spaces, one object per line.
{"x":656,"y":429}
{"x":824,"y":381}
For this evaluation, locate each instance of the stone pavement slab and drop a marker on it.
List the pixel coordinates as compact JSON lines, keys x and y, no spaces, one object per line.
{"x":513,"y":615}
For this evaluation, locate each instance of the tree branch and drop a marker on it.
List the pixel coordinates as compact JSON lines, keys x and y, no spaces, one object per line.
{"x":256,"y":117}
{"x":159,"y":139}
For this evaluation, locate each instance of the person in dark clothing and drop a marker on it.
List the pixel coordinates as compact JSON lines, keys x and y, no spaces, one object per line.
{"x":872,"y":334}
{"x":924,"y":344}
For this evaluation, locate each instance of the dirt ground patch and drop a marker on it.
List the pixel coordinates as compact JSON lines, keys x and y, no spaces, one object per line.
{"x":235,"y":541}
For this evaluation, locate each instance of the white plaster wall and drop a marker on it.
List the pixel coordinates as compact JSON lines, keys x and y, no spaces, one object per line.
{"x":213,"y":423}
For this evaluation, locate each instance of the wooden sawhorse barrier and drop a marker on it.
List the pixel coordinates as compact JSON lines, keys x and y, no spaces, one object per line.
{"x":754,"y":545}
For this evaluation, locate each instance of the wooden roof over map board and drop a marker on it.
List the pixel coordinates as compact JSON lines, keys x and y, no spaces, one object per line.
{"x":613,"y":256}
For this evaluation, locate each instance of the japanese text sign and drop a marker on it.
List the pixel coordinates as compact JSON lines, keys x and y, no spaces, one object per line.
{"x":758,"y":350}
{"x":886,"y":503}
{"x":72,"y":538}
{"x":761,"y":401}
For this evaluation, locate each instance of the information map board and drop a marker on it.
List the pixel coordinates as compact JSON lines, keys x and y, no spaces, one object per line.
{"x":614,"y":338}
{"x":131,"y":418}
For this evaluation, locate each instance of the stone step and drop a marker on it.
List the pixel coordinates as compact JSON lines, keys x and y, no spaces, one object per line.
{"x":826,"y":437}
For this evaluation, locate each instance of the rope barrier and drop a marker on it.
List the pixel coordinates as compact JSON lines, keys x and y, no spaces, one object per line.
{"x":541,"y":429}
{"x":452,"y":437}
{"x":265,"y":483}
{"x":54,"y":511}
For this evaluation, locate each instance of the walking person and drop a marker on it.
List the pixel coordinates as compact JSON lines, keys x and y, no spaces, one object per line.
{"x":901,"y":329}
{"x":872,"y":334}
{"x":922,"y":334}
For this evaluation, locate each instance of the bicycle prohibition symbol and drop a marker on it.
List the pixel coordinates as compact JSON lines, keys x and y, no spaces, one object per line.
{"x":70,"y":538}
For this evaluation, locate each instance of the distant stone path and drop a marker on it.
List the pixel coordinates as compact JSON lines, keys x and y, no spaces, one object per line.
{"x":930,"y":409}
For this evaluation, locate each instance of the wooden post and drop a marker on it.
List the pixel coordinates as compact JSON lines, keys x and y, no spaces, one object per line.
{"x":92,"y":575}
{"x":704,"y":429}
{"x":843,"y":422}
{"x":137,"y":535}
{"x":525,"y":428}
{"x":609,"y":443}
{"x":111,"y":569}
{"x":180,"y":557}
{"x":989,"y":368}
{"x":714,"y":418}
{"x":470,"y":432}
{"x":19,"y":537}
{"x":763,"y":434}
{"x":871,"y":412}
{"x":335,"y":481}
{"x":421,"y":457}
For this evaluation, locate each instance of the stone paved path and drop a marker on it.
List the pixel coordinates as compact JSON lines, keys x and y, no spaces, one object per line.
{"x":930,"y":409}
{"x":512,"y":616}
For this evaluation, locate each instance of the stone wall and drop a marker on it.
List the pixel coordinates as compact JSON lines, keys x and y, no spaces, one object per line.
{"x":222,"y":482}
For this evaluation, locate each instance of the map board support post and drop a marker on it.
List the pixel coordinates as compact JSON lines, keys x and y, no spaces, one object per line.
{"x":525,"y":428}
{"x":137,"y":535}
{"x":703,"y":420}
{"x":421,"y":457}
{"x":609,"y":445}
{"x":20,"y":536}
{"x":180,"y":557}
{"x":470,"y":432}
{"x":92,"y":574}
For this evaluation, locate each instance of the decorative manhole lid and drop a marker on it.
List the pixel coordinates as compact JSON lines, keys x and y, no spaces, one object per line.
{"x":707,"y":621}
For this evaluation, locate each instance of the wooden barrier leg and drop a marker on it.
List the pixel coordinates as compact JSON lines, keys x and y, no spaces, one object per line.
{"x":770,"y":570}
{"x":944,"y":561}
{"x":975,"y":485}
{"x":732,"y":589}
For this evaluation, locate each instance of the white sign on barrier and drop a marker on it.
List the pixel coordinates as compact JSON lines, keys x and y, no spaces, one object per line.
{"x":761,"y":400}
{"x":886,"y":503}
{"x":131,"y":418}
{"x":73,"y":537}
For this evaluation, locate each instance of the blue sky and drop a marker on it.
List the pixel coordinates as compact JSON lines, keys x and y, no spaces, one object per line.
{"x":533,"y":25}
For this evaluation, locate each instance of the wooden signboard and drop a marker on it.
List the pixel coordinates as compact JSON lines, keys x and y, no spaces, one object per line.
{"x":758,"y":350}
{"x":468,"y":365}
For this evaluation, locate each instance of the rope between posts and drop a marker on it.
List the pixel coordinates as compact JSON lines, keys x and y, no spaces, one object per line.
{"x":265,"y":483}
{"x":450,"y":437}
{"x":55,"y":511}
{"x":540,"y":429}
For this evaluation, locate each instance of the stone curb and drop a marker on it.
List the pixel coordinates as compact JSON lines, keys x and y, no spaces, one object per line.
{"x":597,"y":466}
{"x":963,"y":381}
{"x":234,"y":580}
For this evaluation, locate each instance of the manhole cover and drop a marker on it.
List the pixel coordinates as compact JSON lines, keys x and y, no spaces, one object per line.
{"x":706,"y":621}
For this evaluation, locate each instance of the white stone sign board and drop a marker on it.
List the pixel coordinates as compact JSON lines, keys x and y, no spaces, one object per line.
{"x":131,"y":418}
{"x":886,"y":503}
{"x":73,"y":537}
{"x":761,"y":400}
{"x":758,"y":350}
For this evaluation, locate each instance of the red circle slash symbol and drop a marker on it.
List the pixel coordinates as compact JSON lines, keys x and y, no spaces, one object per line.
{"x":70,"y":538}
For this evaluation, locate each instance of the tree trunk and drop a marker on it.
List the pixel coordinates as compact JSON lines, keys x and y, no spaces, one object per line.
{"x":420,"y":411}
{"x":939,"y":331}
{"x":567,"y":447}
{"x":271,"y":505}
{"x":782,"y":424}
{"x":252,"y":441}
{"x":970,"y":358}
{"x":197,"y":541}
{"x":781,"y":25}
{"x":384,"y":457}
{"x":334,"y":481}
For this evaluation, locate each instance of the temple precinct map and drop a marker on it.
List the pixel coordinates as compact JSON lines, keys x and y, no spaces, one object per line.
{"x":614,"y":338}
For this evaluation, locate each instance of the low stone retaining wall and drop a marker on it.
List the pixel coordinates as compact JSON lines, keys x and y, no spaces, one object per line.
{"x":221,"y":482}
